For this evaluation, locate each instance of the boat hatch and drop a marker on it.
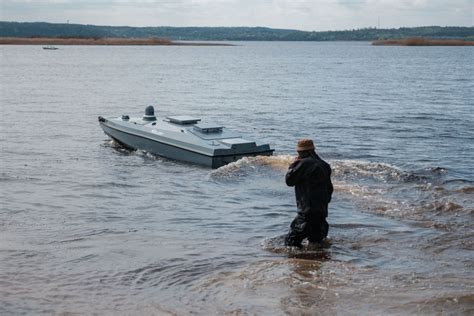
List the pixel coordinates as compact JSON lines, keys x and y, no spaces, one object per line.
{"x":208,"y":128}
{"x":182,"y":120}
{"x":239,"y":143}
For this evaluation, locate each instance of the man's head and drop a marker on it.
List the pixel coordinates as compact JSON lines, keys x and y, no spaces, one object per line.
{"x":304,"y":147}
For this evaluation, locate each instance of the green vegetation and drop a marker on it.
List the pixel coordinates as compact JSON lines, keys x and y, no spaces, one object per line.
{"x":41,"y":29}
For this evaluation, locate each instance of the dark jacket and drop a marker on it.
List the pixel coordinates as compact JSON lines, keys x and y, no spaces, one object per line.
{"x":311,"y":177}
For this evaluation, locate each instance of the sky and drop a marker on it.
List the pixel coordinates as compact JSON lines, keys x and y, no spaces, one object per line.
{"x":309,"y":15}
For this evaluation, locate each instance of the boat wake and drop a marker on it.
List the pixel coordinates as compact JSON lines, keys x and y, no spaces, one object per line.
{"x":111,"y":143}
{"x":355,"y":169}
{"x":347,"y":169}
{"x":378,"y":187}
{"x":425,"y":195}
{"x":250,"y":165}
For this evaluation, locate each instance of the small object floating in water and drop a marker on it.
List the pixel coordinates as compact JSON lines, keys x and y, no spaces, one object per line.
{"x":50,"y":47}
{"x":183,"y":138}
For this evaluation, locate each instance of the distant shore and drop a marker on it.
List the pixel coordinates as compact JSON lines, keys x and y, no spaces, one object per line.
{"x":101,"y":41}
{"x":419,"y":41}
{"x":115,"y":41}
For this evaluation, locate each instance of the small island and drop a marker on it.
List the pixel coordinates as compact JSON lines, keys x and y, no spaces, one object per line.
{"x":420,"y":41}
{"x":107,"y":41}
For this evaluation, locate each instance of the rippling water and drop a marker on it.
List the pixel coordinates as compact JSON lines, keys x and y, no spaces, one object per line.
{"x":88,"y":227}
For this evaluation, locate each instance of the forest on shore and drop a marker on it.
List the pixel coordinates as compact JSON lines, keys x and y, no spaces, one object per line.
{"x":66,"y":30}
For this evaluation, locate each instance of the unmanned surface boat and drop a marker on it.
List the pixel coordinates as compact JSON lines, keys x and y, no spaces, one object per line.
{"x":182,"y":138}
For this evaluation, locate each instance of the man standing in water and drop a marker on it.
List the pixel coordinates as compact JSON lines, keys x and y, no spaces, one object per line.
{"x":311,"y":177}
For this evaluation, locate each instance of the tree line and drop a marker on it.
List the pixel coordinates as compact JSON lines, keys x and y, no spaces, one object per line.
{"x":66,"y":30}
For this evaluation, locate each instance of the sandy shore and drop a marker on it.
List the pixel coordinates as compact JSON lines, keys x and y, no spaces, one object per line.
{"x":100,"y":41}
{"x":418,"y":41}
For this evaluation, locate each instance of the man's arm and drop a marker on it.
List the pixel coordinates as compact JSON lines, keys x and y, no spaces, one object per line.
{"x":295,"y":173}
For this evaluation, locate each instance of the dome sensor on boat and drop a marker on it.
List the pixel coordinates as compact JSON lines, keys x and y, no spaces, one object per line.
{"x":149,"y":114}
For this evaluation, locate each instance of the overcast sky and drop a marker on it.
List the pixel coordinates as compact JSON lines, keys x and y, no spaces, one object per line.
{"x":317,"y":15}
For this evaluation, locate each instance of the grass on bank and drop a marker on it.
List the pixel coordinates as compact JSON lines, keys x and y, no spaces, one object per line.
{"x":419,"y":41}
{"x":99,"y":41}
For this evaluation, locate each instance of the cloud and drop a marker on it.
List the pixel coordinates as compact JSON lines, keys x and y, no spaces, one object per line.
{"x":295,"y":14}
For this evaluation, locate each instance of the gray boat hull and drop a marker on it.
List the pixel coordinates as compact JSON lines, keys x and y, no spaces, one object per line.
{"x":132,"y":140}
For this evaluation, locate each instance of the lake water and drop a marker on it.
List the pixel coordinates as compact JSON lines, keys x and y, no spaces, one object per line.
{"x":88,"y":227}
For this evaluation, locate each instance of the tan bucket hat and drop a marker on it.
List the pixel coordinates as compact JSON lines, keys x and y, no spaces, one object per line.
{"x":304,"y":145}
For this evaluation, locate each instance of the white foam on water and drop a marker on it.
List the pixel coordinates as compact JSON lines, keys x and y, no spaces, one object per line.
{"x":278,"y":163}
{"x":366,"y":169}
{"x":354,"y":169}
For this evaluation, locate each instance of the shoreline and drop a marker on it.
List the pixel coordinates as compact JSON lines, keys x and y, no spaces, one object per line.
{"x":419,"y":41}
{"x":109,"y":41}
{"x":114,"y":41}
